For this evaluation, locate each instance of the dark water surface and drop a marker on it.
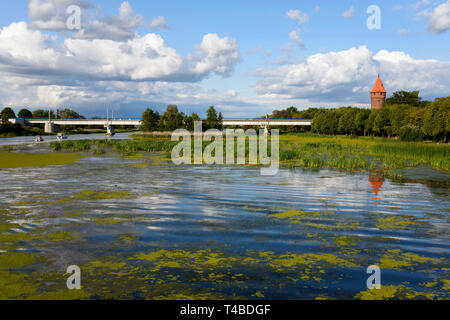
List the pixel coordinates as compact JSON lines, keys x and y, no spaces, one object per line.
{"x":140,"y":227}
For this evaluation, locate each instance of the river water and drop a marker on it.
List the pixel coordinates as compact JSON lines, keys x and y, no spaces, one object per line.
{"x":142,"y":228}
{"x":28,"y":140}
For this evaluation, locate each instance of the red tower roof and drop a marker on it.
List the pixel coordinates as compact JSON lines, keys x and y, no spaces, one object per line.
{"x":378,"y":87}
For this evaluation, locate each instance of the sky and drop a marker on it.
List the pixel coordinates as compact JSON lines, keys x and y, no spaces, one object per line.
{"x":247,"y":57}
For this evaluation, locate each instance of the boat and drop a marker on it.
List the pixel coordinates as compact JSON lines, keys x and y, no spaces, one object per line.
{"x":38,"y":139}
{"x":61,"y":137}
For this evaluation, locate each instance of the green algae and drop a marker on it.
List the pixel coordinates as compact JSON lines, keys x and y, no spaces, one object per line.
{"x":297,"y":216}
{"x":106,"y":265}
{"x":14,"y":260}
{"x":91,"y":195}
{"x":27,"y":160}
{"x":15,"y":238}
{"x":60,"y":295}
{"x":397,"y":260}
{"x":446,"y":284}
{"x":96,"y":195}
{"x":310,"y":259}
{"x":394,"y":292}
{"x":395,"y":222}
{"x":15,"y":285}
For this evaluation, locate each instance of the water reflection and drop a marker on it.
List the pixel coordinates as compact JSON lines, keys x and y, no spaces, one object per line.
{"x":376,"y":181}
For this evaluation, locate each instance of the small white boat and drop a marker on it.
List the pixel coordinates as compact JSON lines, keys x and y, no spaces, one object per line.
{"x":61,"y":137}
{"x":38,"y":139}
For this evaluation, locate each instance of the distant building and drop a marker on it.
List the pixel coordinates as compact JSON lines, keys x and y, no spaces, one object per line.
{"x":378,"y":95}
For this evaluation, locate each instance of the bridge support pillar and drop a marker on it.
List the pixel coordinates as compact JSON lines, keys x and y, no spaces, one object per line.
{"x":50,"y":127}
{"x":110,"y":130}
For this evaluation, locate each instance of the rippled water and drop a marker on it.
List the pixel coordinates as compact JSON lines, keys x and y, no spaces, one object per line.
{"x":96,"y":136}
{"x":140,"y":227}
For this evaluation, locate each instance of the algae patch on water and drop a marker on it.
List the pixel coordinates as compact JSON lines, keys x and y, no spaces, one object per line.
{"x":394,"y":292}
{"x":394,"y":222}
{"x":397,"y":260}
{"x":26,"y":160}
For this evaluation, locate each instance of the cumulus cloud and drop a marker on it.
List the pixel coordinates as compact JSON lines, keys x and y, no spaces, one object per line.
{"x":143,"y":58}
{"x":438,"y":19}
{"x":158,"y":23}
{"x":120,"y":27}
{"x":298,"y":16}
{"x":349,"y":13}
{"x":51,"y":15}
{"x":349,"y":75}
{"x":215,"y":54}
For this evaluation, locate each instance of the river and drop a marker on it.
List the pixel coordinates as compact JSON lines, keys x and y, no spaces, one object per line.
{"x":142,"y":228}
{"x":28,"y":140}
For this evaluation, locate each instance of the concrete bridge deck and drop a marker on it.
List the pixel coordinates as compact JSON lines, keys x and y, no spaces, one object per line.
{"x":52,"y":125}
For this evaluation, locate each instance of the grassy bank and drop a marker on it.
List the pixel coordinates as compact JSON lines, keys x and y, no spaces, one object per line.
{"x":303,"y":150}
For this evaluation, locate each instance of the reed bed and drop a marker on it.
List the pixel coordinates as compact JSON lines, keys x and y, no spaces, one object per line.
{"x":303,"y":150}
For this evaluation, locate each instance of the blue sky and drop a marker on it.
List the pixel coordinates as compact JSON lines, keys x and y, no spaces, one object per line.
{"x":245,"y":57}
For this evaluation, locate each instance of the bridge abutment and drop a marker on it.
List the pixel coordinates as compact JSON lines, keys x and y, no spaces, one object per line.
{"x":110,"y":130}
{"x":50,"y":127}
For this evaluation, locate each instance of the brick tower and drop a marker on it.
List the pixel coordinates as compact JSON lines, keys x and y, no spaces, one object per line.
{"x":378,"y":95}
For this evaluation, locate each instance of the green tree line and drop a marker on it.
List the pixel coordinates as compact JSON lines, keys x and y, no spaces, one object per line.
{"x":172,"y":119}
{"x":404,"y":115}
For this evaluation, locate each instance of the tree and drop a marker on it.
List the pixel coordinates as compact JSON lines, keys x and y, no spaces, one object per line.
{"x":172,"y":119}
{"x":43,"y":114}
{"x":150,"y":120}
{"x":360,"y":121}
{"x":436,"y":119}
{"x":405,"y":97}
{"x":25,"y":114}
{"x":69,"y":114}
{"x":6,"y":114}
{"x":347,"y":117}
{"x":326,"y":121}
{"x":382,"y":125}
{"x":213,"y":120}
{"x":370,"y":122}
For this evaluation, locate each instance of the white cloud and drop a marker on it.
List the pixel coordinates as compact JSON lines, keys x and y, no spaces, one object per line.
{"x":215,"y":54}
{"x":121,"y":27}
{"x":296,"y":38}
{"x":316,"y":9}
{"x":416,"y":6}
{"x":158,"y":23}
{"x":143,"y":58}
{"x":347,"y":76}
{"x":349,"y":13}
{"x":298,"y":16}
{"x":438,"y":19}
{"x":402,"y":32}
{"x":51,"y":15}
{"x":397,"y":7}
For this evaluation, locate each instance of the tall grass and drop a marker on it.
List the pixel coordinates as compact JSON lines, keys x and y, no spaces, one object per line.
{"x":302,"y":150}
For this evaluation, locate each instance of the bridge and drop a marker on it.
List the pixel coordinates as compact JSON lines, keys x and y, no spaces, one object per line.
{"x":53,"y":125}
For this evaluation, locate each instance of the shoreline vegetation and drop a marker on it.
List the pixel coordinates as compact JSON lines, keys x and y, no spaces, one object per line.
{"x":304,"y":150}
